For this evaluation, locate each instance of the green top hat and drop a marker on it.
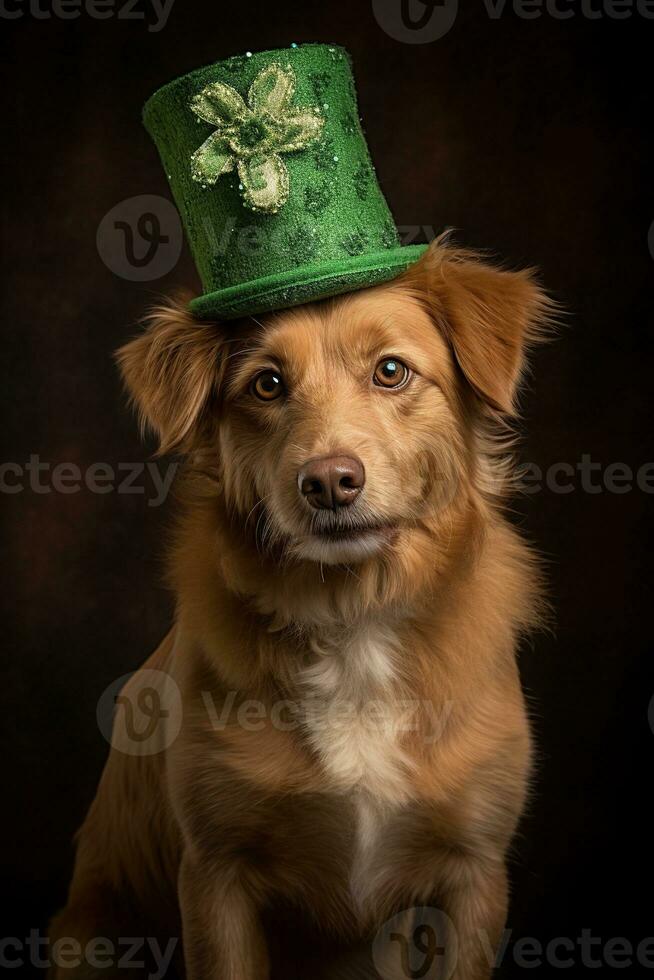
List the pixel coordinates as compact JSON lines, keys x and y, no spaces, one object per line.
{"x":270,"y":170}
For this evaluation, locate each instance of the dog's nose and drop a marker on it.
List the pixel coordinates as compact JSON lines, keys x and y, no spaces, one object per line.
{"x":328,"y":482}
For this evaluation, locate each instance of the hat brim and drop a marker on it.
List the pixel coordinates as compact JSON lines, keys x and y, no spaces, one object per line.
{"x":306,"y":284}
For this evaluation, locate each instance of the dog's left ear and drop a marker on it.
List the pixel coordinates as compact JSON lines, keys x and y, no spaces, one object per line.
{"x":489,"y":316}
{"x":171,"y":371}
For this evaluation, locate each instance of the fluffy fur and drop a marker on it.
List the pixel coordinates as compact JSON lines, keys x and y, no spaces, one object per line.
{"x":402,"y":779}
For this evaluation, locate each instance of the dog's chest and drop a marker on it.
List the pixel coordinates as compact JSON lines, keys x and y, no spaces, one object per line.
{"x":353,"y":719}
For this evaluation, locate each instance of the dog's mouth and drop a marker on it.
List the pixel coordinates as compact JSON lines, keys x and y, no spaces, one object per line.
{"x":353,"y":533}
{"x":335,"y":541}
{"x":329,"y":537}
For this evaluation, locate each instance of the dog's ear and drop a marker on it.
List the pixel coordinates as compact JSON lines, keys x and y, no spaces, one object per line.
{"x":171,"y":371}
{"x":489,"y":316}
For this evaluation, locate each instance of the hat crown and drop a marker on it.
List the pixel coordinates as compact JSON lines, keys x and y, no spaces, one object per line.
{"x":269,"y":168}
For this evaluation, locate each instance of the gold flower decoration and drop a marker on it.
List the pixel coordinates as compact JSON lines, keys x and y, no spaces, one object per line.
{"x":251,"y":137}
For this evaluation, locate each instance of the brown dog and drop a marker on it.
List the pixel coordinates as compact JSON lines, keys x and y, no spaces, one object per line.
{"x":353,"y":736}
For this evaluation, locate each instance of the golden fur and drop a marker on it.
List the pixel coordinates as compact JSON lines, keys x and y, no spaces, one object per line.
{"x":414,"y":623}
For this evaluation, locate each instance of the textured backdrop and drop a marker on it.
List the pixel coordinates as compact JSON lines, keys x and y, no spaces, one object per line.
{"x":532,"y":139}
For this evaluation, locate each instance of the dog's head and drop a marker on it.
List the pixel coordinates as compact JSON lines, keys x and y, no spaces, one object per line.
{"x":331,"y":429}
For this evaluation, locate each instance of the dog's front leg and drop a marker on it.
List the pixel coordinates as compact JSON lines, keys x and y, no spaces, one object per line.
{"x":223,"y":937}
{"x":476,"y":903}
{"x":456,"y":935}
{"x":452,"y":925}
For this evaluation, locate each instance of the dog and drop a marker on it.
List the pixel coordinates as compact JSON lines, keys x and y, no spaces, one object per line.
{"x":349,"y":600}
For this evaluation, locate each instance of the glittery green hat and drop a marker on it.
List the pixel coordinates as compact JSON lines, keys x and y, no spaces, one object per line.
{"x":270,"y":170}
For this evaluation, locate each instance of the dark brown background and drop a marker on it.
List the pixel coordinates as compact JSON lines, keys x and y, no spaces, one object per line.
{"x":531,"y":137}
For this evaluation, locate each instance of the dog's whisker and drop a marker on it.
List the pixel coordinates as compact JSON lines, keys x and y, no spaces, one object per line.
{"x":241,"y":353}
{"x":259,"y":503}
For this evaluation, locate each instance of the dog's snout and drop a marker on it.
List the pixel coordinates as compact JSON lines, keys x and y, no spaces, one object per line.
{"x":328,"y":482}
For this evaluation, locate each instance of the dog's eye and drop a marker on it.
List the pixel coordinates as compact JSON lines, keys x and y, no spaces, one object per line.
{"x":268,"y":385}
{"x":391,"y":373}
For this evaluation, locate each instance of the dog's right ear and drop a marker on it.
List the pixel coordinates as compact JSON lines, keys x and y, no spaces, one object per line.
{"x":171,"y":371}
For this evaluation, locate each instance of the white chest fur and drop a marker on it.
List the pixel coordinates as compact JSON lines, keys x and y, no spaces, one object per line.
{"x":355,"y":720}
{"x":354,"y":717}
